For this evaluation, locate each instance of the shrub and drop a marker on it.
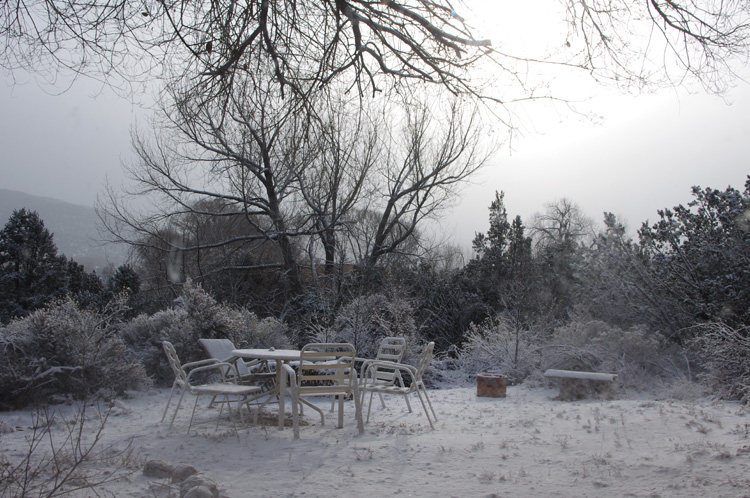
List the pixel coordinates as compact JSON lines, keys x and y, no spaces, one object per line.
{"x":498,"y":345}
{"x":726,"y":358}
{"x":638,"y":355}
{"x":366,"y":320}
{"x":63,"y":349}
{"x":197,"y":315}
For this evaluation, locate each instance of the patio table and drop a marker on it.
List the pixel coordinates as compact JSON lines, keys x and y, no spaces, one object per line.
{"x":280,"y":356}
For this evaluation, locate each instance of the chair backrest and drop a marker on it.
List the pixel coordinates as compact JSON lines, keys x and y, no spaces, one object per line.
{"x":391,"y":349}
{"x":174,"y":362}
{"x":425,"y":360}
{"x":221,"y":349}
{"x":326,"y":368}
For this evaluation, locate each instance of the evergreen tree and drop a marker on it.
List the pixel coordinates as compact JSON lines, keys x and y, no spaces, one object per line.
{"x":519,"y":257}
{"x":31,"y":272}
{"x":125,"y":279}
{"x":85,"y":288}
{"x":699,"y":258}
{"x":504,"y":268}
{"x":491,"y":247}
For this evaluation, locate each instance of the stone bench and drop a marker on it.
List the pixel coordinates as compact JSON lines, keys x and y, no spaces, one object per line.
{"x":581,"y":385}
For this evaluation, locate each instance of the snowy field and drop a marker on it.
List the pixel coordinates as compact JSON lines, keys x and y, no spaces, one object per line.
{"x":525,"y":445}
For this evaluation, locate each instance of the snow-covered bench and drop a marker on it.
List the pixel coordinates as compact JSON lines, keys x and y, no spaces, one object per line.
{"x":580,"y":385}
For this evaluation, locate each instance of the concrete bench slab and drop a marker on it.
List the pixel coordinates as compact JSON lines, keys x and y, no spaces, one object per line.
{"x":575,"y":385}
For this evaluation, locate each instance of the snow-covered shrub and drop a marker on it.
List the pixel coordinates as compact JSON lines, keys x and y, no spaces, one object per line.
{"x":637,"y":355}
{"x":497,"y":345}
{"x":197,"y":315}
{"x":64,"y":350}
{"x":726,"y":356}
{"x":368,"y":319}
{"x":572,"y":347}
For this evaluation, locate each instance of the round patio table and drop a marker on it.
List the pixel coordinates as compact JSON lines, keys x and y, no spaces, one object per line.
{"x":280,"y":356}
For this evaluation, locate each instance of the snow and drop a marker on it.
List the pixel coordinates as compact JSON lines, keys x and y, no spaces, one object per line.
{"x":526,"y":444}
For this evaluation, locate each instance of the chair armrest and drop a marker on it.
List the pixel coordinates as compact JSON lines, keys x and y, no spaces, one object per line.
{"x":217,"y":365}
{"x":199,"y":363}
{"x":383,"y":363}
{"x":374,"y":364}
{"x":292,"y":375}
{"x":253,"y":366}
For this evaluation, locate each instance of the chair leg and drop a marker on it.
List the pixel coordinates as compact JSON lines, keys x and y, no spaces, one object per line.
{"x":257,"y":409}
{"x":382,"y":400}
{"x":295,"y":415}
{"x":301,"y":402}
{"x":341,"y":410}
{"x":231,"y":417}
{"x":434,"y":415}
{"x":358,"y":408}
{"x":239,"y":408}
{"x":224,"y":401}
{"x":427,"y":414}
{"x":408,"y":405}
{"x":369,"y":406}
{"x":192,"y":414}
{"x":179,"y":403}
{"x":174,"y":385}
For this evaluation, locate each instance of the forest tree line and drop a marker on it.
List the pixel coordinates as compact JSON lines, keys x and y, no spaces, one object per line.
{"x":555,"y":293}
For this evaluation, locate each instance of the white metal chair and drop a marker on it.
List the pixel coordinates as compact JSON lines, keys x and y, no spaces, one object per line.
{"x":372,"y":385}
{"x":391,"y":349}
{"x":228,"y":391}
{"x":325,"y":369}
{"x":249,"y":372}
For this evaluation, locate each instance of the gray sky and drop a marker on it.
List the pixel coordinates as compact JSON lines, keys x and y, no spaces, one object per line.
{"x":63,"y":146}
{"x":645,"y":156}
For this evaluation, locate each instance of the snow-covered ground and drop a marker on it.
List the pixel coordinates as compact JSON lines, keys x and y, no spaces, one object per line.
{"x":523,"y":445}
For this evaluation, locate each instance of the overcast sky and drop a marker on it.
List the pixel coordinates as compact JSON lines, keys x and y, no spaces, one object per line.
{"x":63,"y":146}
{"x":645,"y":156}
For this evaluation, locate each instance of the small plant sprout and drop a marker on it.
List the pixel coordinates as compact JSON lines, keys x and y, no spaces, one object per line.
{"x":563,"y":440}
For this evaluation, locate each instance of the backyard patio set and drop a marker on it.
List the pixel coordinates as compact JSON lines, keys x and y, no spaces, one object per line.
{"x":257,"y":378}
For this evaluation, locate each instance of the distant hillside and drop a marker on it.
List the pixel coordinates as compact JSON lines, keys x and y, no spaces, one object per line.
{"x":75,"y":228}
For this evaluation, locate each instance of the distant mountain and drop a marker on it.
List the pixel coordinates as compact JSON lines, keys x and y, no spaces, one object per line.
{"x":75,"y":228}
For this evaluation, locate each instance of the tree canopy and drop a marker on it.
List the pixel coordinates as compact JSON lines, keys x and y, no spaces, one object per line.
{"x":31,"y":272}
{"x":369,"y":45}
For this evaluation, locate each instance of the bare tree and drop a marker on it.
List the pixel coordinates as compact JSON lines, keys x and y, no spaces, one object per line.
{"x":562,"y":224}
{"x":258,"y":180}
{"x":336,"y":180}
{"x":421,"y":169}
{"x":558,"y":234}
{"x":246,"y":156}
{"x":309,"y":43}
{"x":660,"y":41}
